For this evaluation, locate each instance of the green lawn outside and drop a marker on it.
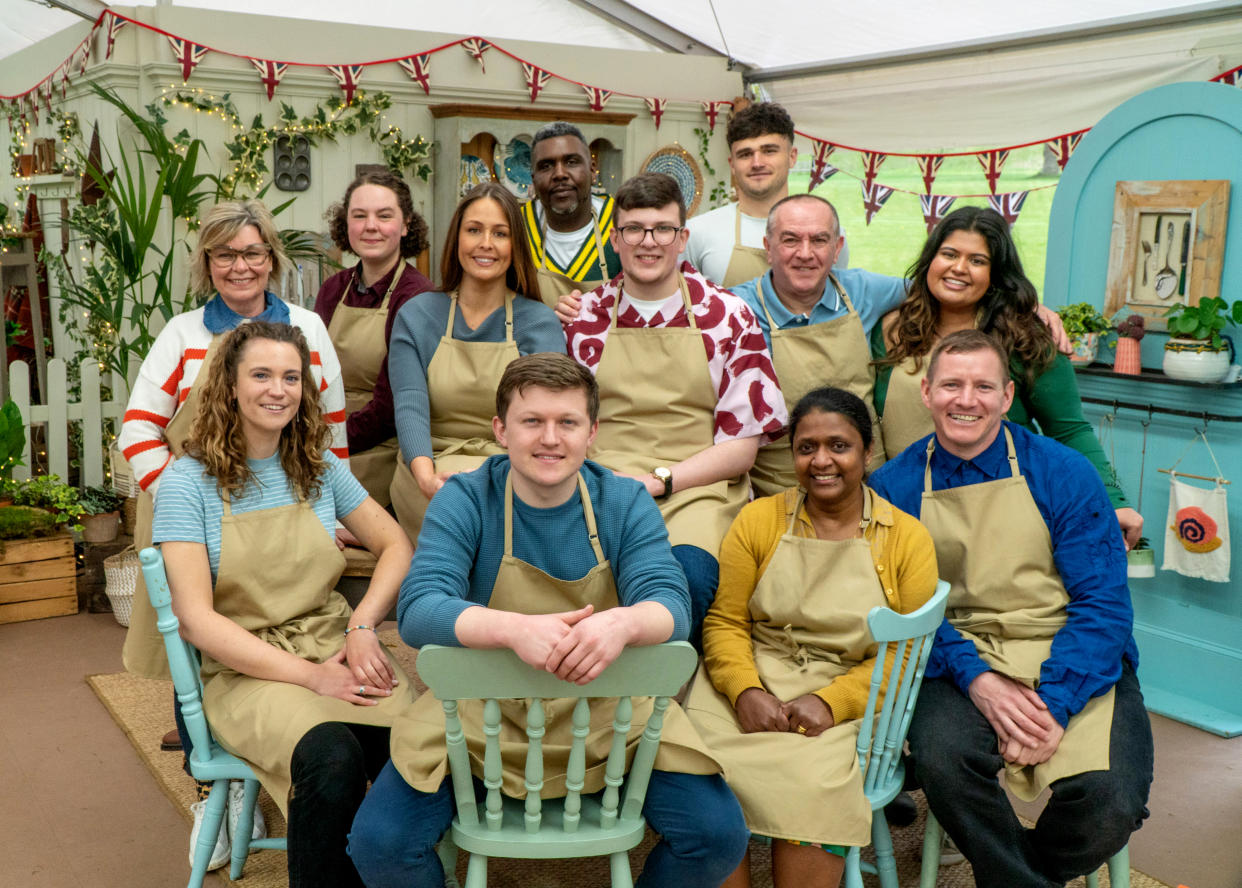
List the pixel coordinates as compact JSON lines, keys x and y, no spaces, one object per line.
{"x":893,"y":239}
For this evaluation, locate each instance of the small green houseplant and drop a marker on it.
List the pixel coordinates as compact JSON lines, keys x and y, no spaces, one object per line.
{"x":12,"y":443}
{"x":50,"y":493}
{"x":100,"y":514}
{"x":1083,"y":325}
{"x":1197,"y":350}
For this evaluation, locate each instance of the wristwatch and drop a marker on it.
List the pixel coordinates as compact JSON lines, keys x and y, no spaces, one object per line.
{"x":665,"y":477}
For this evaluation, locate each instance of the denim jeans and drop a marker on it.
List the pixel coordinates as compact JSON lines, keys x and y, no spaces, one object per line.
{"x":703,"y":835}
{"x":1088,"y":819}
{"x":703,"y":576}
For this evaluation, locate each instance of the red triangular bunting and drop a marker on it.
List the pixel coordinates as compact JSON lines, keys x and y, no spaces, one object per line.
{"x":992,"y":161}
{"x":929,"y":165}
{"x":656,"y":107}
{"x":419,"y":69}
{"x":32,"y":105}
{"x":475,"y":47}
{"x":935,"y":206}
{"x":86,"y":55}
{"x":115,"y":23}
{"x":1230,"y":78}
{"x":871,"y":166}
{"x":188,"y":55}
{"x":874,"y":197}
{"x":536,"y":79}
{"x":347,"y":76}
{"x":821,"y":169}
{"x":1008,"y":204}
{"x":712,"y":110}
{"x":45,"y":93}
{"x":597,"y":97}
{"x":270,"y":74}
{"x":64,"y":83}
{"x":1063,"y":147}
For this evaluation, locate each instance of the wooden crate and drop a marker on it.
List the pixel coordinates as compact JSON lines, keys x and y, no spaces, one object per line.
{"x":38,"y":578}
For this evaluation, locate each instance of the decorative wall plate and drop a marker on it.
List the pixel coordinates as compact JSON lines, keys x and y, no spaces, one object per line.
{"x":473,"y":171}
{"x":513,"y":167}
{"x":677,"y":162}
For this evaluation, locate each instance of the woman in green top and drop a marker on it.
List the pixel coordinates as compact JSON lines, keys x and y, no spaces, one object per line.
{"x":969,"y":276}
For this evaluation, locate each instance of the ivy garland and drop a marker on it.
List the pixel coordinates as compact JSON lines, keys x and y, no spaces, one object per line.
{"x":719,"y":195}
{"x":249,"y":148}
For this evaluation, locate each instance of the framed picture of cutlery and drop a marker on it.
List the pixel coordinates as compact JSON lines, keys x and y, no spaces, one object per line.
{"x":1167,"y":243}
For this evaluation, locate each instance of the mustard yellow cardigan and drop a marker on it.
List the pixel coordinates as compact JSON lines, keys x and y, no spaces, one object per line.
{"x":905,"y":562}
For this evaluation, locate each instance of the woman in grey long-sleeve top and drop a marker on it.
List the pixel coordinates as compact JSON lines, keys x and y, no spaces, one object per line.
{"x":450,"y":347}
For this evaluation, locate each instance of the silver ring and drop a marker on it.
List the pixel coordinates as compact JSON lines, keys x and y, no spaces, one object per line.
{"x":362,"y":689}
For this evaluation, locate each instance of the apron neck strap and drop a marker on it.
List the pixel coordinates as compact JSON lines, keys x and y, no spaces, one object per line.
{"x":685,"y":300}
{"x":588,"y":512}
{"x":397,"y":271}
{"x":1010,"y":452}
{"x":737,"y":225}
{"x":599,"y":242}
{"x":801,"y":502}
{"x":452,"y":315}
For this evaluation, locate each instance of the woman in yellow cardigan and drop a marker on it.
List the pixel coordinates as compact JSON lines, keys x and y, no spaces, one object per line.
{"x":786,"y":645}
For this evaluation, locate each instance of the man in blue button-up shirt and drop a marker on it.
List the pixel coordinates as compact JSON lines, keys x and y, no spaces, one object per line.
{"x":973,"y":718}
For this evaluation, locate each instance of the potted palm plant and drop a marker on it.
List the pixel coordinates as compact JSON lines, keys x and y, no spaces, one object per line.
{"x":1083,"y":325}
{"x":1197,"y":351}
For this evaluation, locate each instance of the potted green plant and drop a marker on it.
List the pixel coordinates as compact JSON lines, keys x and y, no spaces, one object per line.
{"x":1083,"y":325}
{"x":1196,"y":350}
{"x":1128,"y":358}
{"x":100,"y":514}
{"x":12,"y":443}
{"x":50,"y":493}
{"x":1141,"y":560}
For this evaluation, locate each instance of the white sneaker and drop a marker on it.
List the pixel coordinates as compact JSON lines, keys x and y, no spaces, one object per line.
{"x":219,"y":854}
{"x":949,"y":854}
{"x":237,"y":791}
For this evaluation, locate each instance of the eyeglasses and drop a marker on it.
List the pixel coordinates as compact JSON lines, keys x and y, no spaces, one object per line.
{"x":255,"y":256}
{"x":663,"y":235}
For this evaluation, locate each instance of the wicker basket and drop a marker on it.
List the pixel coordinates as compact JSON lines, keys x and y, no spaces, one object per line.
{"x":123,"y":480}
{"x":121,"y":576}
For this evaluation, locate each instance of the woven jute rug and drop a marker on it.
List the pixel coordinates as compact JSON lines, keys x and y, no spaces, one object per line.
{"x":141,"y":708}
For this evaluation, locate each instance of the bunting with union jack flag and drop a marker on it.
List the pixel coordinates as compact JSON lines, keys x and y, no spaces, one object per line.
{"x":419,"y":69}
{"x":712,"y":110}
{"x":821,"y":169}
{"x":929,"y":165}
{"x":536,"y":79}
{"x":188,"y":55}
{"x":270,"y":74}
{"x":347,"y":76}
{"x":475,"y":47}
{"x":1063,"y":147}
{"x":874,"y":197}
{"x":597,"y":97}
{"x":115,"y":23}
{"x":935,"y":207}
{"x":992,"y":161}
{"x":656,"y":107}
{"x":871,"y":166}
{"x":1008,"y":204}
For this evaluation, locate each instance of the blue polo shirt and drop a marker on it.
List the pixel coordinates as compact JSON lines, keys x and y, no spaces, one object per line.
{"x":874,"y":296}
{"x":1087,"y":548}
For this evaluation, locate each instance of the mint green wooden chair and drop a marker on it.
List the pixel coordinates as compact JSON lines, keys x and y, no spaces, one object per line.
{"x":933,"y":835}
{"x":882,"y":729}
{"x":208,"y":762}
{"x":574,"y":826}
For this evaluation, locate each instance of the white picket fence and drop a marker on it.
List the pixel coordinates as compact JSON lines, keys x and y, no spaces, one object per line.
{"x":57,"y":414}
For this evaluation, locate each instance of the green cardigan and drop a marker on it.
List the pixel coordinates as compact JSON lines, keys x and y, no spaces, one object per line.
{"x":1051,"y":406}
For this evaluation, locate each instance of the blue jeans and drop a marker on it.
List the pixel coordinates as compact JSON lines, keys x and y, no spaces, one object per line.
{"x":703,"y":576}
{"x":703,"y":835}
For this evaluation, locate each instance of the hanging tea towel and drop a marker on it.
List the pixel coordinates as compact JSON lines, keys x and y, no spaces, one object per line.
{"x":1196,"y":536}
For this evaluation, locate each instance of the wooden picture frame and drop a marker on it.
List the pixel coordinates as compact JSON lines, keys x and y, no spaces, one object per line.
{"x":1168,"y":242}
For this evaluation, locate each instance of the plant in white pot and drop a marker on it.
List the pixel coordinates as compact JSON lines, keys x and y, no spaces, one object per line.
{"x":1083,"y":325}
{"x":1196,"y":350}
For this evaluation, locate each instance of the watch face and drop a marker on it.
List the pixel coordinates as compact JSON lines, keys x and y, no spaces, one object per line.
{"x":662,"y":473}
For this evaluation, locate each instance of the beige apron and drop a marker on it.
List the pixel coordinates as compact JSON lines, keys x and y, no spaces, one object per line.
{"x":1011,"y":602}
{"x":906,"y":418}
{"x":358,"y":336}
{"x":278,"y":570}
{"x":810,"y":626}
{"x":745,"y":263}
{"x":658,"y":407}
{"x":833,"y":353}
{"x":552,"y":284}
{"x":461,"y":394}
{"x":418,"y":746}
{"x":143,"y":652}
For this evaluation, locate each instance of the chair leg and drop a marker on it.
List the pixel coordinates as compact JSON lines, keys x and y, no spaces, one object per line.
{"x":882,"y":841}
{"x":852,"y":878}
{"x":241,"y":843}
{"x":447,"y":852}
{"x":933,"y":835}
{"x":213,"y":816}
{"x":619,"y":865}
{"x":1119,"y":868}
{"x":476,"y":871}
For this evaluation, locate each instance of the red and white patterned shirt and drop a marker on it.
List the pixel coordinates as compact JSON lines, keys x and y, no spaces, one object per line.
{"x":749,"y":400}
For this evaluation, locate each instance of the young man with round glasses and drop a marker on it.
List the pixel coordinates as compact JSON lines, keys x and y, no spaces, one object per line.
{"x":687,"y":388}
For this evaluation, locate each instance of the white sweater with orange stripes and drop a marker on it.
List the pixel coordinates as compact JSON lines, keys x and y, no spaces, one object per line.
{"x":174,"y":362}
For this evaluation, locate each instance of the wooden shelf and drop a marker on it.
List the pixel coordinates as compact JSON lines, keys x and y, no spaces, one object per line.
{"x":1105,"y":371}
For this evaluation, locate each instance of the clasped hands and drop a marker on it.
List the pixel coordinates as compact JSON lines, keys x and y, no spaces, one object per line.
{"x":357,"y":673}
{"x":757,"y":710}
{"x":1026,"y":730}
{"x":573,"y":645}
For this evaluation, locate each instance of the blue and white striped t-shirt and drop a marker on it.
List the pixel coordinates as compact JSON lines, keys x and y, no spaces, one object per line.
{"x":188,"y":507}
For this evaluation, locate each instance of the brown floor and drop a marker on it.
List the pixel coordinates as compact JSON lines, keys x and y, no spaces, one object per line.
{"x":79,"y":810}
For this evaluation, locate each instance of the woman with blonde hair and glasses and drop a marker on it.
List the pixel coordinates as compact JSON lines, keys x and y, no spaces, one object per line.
{"x":450,"y":347}
{"x":237,"y":257}
{"x":294,"y":682}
